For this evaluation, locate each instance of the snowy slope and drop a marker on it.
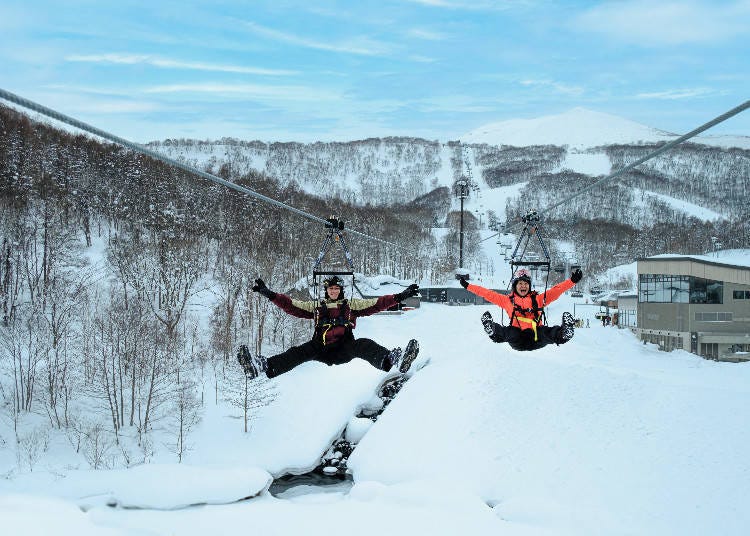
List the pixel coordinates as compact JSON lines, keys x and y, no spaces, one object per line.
{"x":578,"y":128}
{"x":600,"y":436}
{"x":581,"y":128}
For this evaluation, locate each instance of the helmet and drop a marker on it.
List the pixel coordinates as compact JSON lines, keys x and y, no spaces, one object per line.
{"x":333,"y":280}
{"x":522,"y":274}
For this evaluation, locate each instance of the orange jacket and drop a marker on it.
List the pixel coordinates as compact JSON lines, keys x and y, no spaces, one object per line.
{"x":525,"y":302}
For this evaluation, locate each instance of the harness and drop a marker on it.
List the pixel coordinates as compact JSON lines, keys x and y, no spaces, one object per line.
{"x":535,"y":310}
{"x":324,"y":322}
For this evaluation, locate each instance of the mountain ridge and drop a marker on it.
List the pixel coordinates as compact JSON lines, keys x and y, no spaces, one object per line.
{"x":582,"y":128}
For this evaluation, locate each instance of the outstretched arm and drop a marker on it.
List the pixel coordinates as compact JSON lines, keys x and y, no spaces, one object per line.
{"x":375,"y":305}
{"x":556,"y":291}
{"x":300,"y":309}
{"x":370,"y":306}
{"x":490,"y":295}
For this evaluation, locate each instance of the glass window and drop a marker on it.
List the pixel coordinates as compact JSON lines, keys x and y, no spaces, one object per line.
{"x":741,"y":294}
{"x":659,"y":288}
{"x":706,"y":290}
{"x":697,"y":290}
{"x":713,"y":317}
{"x":714,"y":291}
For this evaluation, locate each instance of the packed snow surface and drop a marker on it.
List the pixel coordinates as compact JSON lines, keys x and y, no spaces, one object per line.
{"x":603,"y":435}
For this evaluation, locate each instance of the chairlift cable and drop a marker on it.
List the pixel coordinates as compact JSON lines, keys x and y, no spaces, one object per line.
{"x":53,"y":114}
{"x":667,"y":146}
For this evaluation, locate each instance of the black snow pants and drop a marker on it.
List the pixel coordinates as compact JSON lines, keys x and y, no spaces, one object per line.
{"x":523,"y":340}
{"x":334,"y":354}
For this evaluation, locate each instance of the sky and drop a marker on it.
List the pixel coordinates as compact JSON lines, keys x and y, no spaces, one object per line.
{"x":284,"y":70}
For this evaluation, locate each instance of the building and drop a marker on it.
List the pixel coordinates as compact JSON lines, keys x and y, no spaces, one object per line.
{"x":627,"y":310}
{"x":697,"y":303}
{"x":453,"y":295}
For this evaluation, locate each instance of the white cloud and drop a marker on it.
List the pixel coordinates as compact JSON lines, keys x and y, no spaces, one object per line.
{"x":667,"y":23}
{"x":427,"y":35}
{"x":133,"y":59}
{"x":559,"y":87}
{"x":421,"y":59}
{"x":676,"y":94}
{"x":476,"y":5}
{"x":460,"y":104}
{"x":253,"y":91}
{"x":362,"y":47}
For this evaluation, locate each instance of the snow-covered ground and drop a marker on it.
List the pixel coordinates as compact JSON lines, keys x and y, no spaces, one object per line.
{"x":603,"y":435}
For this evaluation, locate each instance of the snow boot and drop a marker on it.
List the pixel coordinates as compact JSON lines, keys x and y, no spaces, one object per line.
{"x":394,"y":358}
{"x":488,"y":323}
{"x":252,"y":366}
{"x":412,"y":350}
{"x":567,"y":328}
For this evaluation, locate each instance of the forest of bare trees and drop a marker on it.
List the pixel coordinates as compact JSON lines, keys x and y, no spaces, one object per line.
{"x":105,"y":254}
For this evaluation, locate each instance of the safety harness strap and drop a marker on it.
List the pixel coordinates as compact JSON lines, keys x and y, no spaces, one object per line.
{"x":534,"y":309}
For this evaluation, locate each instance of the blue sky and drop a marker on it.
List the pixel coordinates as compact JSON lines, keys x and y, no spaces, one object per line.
{"x":284,"y":70}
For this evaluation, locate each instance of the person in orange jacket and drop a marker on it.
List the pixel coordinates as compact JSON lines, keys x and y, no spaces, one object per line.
{"x":525,"y":309}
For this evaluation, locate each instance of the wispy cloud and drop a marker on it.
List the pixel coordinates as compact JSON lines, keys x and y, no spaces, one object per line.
{"x":455,"y":104}
{"x":421,"y":59}
{"x":476,"y":5}
{"x":560,"y":87}
{"x":162,"y":63}
{"x":251,"y":91}
{"x":361,"y":46}
{"x":676,"y":94}
{"x":668,"y":23}
{"x":427,"y":35}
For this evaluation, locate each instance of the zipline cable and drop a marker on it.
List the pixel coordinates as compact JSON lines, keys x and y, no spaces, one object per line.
{"x":667,"y":146}
{"x":12,"y":97}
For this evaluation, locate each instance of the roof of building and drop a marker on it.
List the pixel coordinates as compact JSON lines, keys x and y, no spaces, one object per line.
{"x":734,"y":258}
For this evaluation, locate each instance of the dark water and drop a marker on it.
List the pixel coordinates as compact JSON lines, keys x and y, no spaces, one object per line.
{"x":289,"y":486}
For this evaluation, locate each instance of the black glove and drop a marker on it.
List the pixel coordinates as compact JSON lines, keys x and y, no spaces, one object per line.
{"x":576,"y":276}
{"x":261,"y":288}
{"x":464,"y":282}
{"x":408,"y":292}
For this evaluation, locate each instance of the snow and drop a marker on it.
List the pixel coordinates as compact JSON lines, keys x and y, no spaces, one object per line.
{"x":603,"y":435}
{"x":593,"y":164}
{"x":578,"y":128}
{"x":691,"y":209}
{"x":730,"y":257}
{"x":581,"y":128}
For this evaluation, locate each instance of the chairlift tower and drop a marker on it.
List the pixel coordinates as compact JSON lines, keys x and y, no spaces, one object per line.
{"x":462,"y":192}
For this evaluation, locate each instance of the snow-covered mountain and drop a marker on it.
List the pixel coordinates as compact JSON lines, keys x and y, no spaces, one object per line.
{"x":581,"y":128}
{"x":578,"y":128}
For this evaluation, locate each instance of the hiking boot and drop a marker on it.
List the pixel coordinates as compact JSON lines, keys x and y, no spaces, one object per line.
{"x":567,"y":328}
{"x":394,"y":358}
{"x":412,"y":349}
{"x":252,"y":366}
{"x":488,"y":323}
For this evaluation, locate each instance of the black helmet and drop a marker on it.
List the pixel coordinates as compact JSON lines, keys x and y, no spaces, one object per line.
{"x":522,"y":274}
{"x":333,"y":280}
